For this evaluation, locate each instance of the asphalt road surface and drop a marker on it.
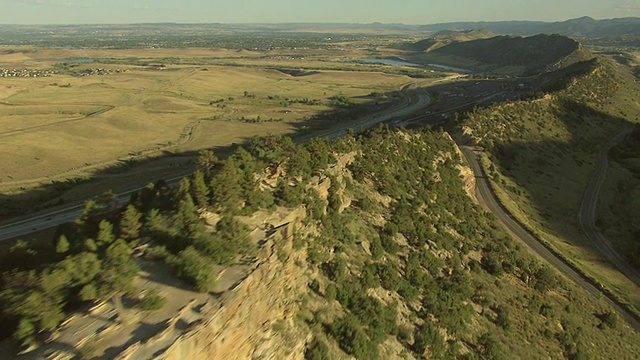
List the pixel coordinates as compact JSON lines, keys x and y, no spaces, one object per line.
{"x":587,"y":214}
{"x":487,"y":197}
{"x":52,"y":219}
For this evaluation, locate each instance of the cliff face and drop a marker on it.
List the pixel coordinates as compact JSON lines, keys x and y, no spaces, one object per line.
{"x":254,"y":320}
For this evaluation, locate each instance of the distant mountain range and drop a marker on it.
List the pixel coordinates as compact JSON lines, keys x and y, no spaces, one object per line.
{"x":584,"y":26}
{"x":580,"y":27}
{"x":577,"y":28}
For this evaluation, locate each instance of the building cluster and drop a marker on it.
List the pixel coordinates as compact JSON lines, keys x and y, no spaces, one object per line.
{"x":27,"y":73}
{"x":92,"y":72}
{"x":33,"y":73}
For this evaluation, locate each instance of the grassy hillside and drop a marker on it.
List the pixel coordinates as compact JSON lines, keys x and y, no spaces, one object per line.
{"x":509,"y":55}
{"x":619,"y":206}
{"x":401,"y":262}
{"x":541,"y":153}
{"x":444,"y":38}
{"x":412,"y":256}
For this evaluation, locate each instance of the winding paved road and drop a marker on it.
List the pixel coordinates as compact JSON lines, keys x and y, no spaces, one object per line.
{"x":487,"y":197}
{"x":587,"y":214}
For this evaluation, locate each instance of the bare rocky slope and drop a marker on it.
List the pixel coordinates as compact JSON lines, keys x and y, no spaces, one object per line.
{"x":243,"y":324}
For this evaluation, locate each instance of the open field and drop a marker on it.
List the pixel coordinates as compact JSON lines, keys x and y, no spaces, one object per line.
{"x":66,"y":126}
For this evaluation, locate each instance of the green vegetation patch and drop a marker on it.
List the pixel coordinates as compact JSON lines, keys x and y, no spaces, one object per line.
{"x":619,"y":205}
{"x":542,"y":152}
{"x":399,"y":254}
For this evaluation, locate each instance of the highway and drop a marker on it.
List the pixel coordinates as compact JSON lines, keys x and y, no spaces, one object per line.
{"x":587,"y":213}
{"x":487,"y":197}
{"x":438,"y":116}
{"x":406,"y":108}
{"x":414,"y":101}
{"x":484,"y":194}
{"x":54,"y":218}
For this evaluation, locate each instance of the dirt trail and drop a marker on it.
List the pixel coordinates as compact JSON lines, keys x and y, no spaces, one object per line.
{"x":69,"y":121}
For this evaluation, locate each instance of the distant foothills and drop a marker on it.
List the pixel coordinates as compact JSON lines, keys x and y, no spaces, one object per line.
{"x":580,"y":27}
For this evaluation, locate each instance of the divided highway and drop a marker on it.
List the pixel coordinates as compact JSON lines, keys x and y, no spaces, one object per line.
{"x":52,"y":219}
{"x":414,"y":101}
{"x":487,"y":197}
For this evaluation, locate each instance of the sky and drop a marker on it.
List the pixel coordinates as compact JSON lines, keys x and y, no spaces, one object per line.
{"x":290,"y":11}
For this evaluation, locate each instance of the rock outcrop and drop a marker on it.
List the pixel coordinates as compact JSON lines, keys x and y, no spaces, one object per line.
{"x":255,"y":319}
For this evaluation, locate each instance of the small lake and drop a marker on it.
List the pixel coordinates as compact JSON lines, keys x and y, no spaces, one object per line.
{"x":71,"y":60}
{"x":450,"y":68}
{"x":79,"y":60}
{"x":391,"y":62}
{"x":398,"y":62}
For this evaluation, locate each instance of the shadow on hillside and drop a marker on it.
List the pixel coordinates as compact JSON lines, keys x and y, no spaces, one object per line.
{"x":157,"y":272}
{"x":140,"y":334}
{"x":555,"y":174}
{"x":499,"y":54}
{"x":54,"y":195}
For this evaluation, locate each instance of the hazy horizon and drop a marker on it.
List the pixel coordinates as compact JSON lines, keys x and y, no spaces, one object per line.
{"x":59,"y":12}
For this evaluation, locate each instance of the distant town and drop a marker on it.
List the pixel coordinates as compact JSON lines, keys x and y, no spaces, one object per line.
{"x":36,"y":73}
{"x":26,"y":73}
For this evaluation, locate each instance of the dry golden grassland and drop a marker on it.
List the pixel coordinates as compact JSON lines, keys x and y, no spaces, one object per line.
{"x":63,"y":126}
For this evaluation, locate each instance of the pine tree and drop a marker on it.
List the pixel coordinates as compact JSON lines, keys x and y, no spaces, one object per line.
{"x":335,"y":202}
{"x":118,"y":272}
{"x":299,"y":163}
{"x":62,"y":246}
{"x":199,"y":189}
{"x":88,"y":292}
{"x":156,"y":225}
{"x":146,"y":197}
{"x":232,"y":231}
{"x":86,"y":221}
{"x":207,"y":161}
{"x":107,"y":201}
{"x":183,"y":190}
{"x":163,"y":198}
{"x":187,"y":221}
{"x":130,"y":224}
{"x":26,"y":332}
{"x":90,"y":245}
{"x":226,"y":186}
{"x":83,"y":268}
{"x":105,"y":233}
{"x":118,"y":267}
{"x":196,"y":269}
